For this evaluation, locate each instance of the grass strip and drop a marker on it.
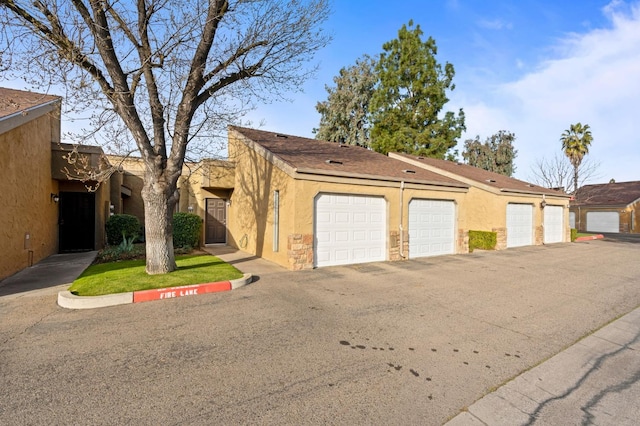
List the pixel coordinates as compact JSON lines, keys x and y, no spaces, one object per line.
{"x":130,"y":275}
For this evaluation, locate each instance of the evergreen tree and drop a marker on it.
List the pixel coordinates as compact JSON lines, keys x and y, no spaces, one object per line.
{"x":344,"y":116}
{"x":410,"y":95}
{"x":496,"y":154}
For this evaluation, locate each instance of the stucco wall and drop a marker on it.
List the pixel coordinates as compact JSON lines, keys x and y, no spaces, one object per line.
{"x":250,"y":215}
{"x":487,"y":211}
{"x":26,"y":187}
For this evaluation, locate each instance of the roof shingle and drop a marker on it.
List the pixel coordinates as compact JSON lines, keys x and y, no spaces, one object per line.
{"x":618,"y":193}
{"x":313,"y":156}
{"x":491,"y":179}
{"x":13,"y":101}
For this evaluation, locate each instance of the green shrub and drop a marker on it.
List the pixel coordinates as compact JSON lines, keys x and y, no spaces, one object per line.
{"x":120,"y":225}
{"x":483,"y":240}
{"x":186,"y":230}
{"x":118,"y":253}
{"x":574,"y":234}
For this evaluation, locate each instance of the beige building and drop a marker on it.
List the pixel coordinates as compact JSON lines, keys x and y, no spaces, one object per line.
{"x":29,"y":123}
{"x":301,"y":203}
{"x":610,"y":207}
{"x":520,"y":213}
{"x":305,"y":203}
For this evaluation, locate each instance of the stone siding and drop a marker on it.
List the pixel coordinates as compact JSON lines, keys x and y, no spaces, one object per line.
{"x":462,"y":242}
{"x":501,"y":238}
{"x":300,"y":251}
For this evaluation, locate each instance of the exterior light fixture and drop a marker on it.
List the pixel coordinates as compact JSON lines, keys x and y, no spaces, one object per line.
{"x":190,"y":208}
{"x":55,"y":197}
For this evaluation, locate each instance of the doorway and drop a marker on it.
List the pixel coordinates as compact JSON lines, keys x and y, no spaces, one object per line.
{"x":216,"y":221}
{"x":76,"y":221}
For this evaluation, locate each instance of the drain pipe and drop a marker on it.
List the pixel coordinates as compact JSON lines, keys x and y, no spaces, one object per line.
{"x":402,"y":255}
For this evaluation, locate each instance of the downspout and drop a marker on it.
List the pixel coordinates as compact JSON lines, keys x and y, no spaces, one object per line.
{"x":402,"y":255}
{"x":543,"y":204}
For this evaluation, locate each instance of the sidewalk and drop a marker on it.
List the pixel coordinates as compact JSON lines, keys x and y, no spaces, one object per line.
{"x":48,"y":274}
{"x":595,"y":381}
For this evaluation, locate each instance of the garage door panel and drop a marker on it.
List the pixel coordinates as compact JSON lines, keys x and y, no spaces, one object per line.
{"x":603,"y":222}
{"x":553,"y":224}
{"x":519,"y":225}
{"x":355,"y":231}
{"x":431,"y":227}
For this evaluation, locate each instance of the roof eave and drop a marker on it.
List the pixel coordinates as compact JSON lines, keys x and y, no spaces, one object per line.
{"x":309,"y":171}
{"x":521,"y":191}
{"x":17,"y":119}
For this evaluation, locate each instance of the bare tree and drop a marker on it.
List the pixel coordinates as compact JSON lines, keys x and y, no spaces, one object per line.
{"x":558,"y":172}
{"x":168,"y":72}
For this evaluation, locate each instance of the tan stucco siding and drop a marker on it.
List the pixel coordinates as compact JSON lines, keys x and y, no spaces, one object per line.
{"x":487,"y":211}
{"x":634,"y":217}
{"x":250,"y":215}
{"x":26,"y":187}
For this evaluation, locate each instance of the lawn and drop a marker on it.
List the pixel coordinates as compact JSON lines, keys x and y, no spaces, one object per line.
{"x":584,"y":234}
{"x":129,"y":275}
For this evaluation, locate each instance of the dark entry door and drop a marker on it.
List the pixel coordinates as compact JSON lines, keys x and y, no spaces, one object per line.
{"x":216,"y":223}
{"x":77,"y":221}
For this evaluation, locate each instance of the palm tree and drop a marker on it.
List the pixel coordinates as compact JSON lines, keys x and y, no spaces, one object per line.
{"x":575,"y":144}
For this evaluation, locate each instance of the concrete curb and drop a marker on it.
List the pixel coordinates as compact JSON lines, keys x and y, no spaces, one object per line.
{"x":71,"y":301}
{"x":590,"y":237}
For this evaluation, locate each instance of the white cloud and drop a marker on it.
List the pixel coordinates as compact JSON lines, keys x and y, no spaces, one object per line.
{"x":495,"y":24}
{"x":594,"y":79}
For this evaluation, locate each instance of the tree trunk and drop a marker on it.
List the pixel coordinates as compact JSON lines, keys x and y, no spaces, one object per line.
{"x":575,"y":179}
{"x":158,"y":223}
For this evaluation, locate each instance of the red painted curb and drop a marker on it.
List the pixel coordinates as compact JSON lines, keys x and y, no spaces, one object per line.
{"x":590,"y":237}
{"x":172,"y":292}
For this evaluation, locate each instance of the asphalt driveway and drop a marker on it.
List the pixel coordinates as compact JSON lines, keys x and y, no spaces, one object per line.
{"x":389,"y":343}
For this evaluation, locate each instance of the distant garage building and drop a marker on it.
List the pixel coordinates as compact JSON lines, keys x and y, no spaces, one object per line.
{"x":611,"y":208}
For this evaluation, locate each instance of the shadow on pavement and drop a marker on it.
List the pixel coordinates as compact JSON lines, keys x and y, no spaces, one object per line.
{"x":622,"y":238}
{"x":53,"y":271}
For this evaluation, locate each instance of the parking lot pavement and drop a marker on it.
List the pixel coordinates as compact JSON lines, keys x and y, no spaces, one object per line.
{"x":410,"y":342}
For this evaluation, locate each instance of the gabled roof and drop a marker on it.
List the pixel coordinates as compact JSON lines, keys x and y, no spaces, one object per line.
{"x":475,"y":176}
{"x":314,"y":157}
{"x":18,"y":101}
{"x":608,"y":194}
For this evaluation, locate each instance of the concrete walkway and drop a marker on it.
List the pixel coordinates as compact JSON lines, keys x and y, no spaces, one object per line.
{"x":594,"y":382}
{"x":49,"y":275}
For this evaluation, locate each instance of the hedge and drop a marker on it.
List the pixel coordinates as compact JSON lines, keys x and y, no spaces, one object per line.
{"x":574,"y":234}
{"x":119,"y":223}
{"x":483,"y":240}
{"x":186,"y":230}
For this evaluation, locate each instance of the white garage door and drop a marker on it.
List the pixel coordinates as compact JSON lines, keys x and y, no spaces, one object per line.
{"x":519,"y":225}
{"x":553,"y":224}
{"x":572,"y":219}
{"x":603,"y":222}
{"x":431,"y":228}
{"x":349,"y":229}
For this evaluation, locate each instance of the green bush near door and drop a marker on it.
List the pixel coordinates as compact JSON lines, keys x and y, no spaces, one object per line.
{"x":119,"y":225}
{"x":186,"y":230}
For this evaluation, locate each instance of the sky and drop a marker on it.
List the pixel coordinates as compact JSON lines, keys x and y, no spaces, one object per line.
{"x":531,"y":67}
